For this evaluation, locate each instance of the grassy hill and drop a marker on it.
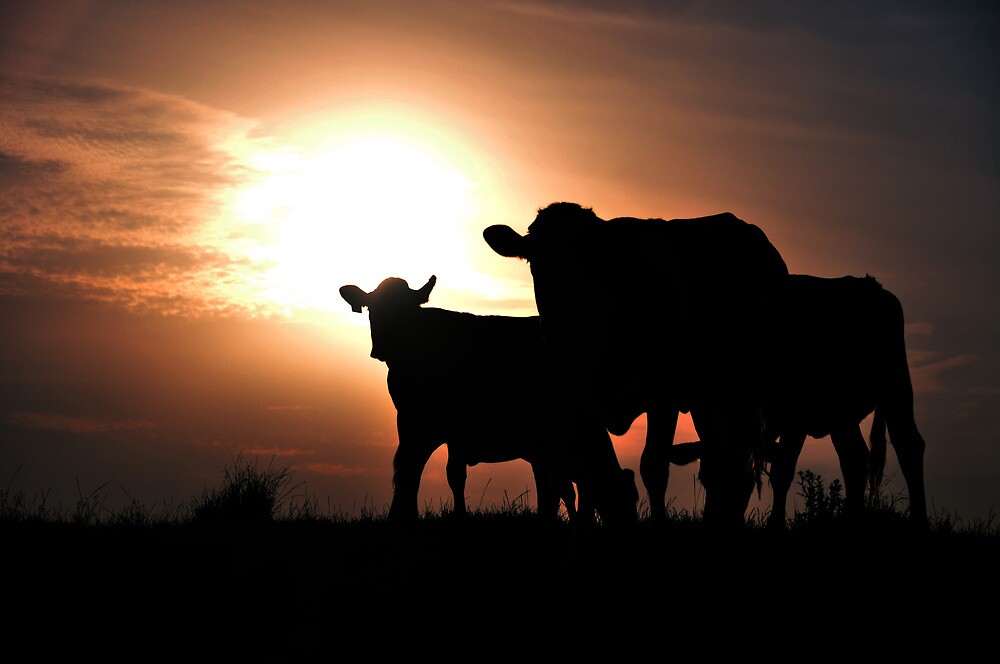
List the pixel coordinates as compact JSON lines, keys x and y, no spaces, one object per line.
{"x":244,"y":573}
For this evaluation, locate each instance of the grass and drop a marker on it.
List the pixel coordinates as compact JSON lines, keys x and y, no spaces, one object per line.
{"x":251,"y":492}
{"x":254,"y":570}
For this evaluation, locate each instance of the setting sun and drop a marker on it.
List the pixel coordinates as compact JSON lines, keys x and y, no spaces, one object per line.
{"x":364,"y":208}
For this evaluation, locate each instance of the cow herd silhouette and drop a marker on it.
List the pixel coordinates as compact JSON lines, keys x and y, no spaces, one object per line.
{"x":655,"y":317}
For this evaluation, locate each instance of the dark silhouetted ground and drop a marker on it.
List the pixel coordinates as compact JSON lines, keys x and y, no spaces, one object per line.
{"x":493,"y":586}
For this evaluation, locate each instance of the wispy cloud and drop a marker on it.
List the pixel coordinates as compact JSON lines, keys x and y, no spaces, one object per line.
{"x":927,"y":369}
{"x":74,"y":424}
{"x":341,"y":470}
{"x":277,"y":452}
{"x":107,"y":192}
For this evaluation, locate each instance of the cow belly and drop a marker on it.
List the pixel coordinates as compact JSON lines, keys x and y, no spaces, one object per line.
{"x":477,"y":447}
{"x":818,"y":415}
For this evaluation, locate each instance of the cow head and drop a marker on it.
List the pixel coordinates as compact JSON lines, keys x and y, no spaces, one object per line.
{"x":391,"y":308}
{"x":563,"y":249}
{"x":570,"y":261}
{"x":558,"y":225}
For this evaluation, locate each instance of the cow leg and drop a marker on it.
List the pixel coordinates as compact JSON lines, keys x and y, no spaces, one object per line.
{"x":457,"y":471}
{"x":899,"y":419}
{"x":785,"y":458}
{"x":603,"y":485}
{"x":614,"y":498}
{"x":568,"y":493}
{"x":587,"y":503}
{"x":853,"y":454}
{"x":552,"y":469}
{"x":654,"y":464}
{"x":909,"y":446}
{"x":725,"y":469}
{"x":415,"y":449}
{"x":548,"y":491}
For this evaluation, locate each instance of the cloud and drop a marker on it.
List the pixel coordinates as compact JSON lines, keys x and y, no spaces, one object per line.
{"x":836,"y":20}
{"x":108,"y":192}
{"x":55,"y":255}
{"x":926,"y":371}
{"x":14,"y":168}
{"x":808,"y":78}
{"x":138,"y":276}
{"x":277,"y":452}
{"x":340,"y":470}
{"x":919,"y":329}
{"x":74,"y":424}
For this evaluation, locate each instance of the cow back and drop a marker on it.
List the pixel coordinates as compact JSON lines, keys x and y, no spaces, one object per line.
{"x":835,"y":350}
{"x":481,"y":382}
{"x":652,"y":309}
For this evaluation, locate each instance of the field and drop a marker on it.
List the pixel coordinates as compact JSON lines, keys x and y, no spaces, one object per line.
{"x":244,"y":575}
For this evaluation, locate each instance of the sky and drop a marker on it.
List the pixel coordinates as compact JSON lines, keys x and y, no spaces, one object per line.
{"x":184,"y":187}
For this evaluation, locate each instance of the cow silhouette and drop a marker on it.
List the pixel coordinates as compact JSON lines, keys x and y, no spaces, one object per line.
{"x":657,"y":316}
{"x":839,"y":356}
{"x":483,"y":386}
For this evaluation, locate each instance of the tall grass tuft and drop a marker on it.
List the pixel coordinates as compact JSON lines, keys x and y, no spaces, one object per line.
{"x":944,"y":522}
{"x":821,"y":504}
{"x":250,"y":494}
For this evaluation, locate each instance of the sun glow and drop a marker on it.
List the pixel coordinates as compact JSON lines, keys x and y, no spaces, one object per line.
{"x":356,"y":212}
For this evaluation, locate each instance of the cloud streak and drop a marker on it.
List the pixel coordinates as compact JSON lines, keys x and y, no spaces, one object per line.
{"x":74,"y":424}
{"x":107,"y":192}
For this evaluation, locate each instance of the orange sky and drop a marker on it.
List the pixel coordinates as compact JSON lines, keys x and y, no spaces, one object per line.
{"x":185,"y":186}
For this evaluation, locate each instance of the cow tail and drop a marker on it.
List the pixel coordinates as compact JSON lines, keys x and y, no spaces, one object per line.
{"x":876,"y":465}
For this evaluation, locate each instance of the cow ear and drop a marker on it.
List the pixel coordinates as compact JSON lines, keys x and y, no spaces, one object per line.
{"x":505,"y":241}
{"x":424,"y":293}
{"x":355,"y":297}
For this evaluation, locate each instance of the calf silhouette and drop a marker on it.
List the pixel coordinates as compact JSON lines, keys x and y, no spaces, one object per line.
{"x":839,"y":356}
{"x":483,"y":386}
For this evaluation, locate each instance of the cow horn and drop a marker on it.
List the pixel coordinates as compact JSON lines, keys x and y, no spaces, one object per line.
{"x":425,"y":290}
